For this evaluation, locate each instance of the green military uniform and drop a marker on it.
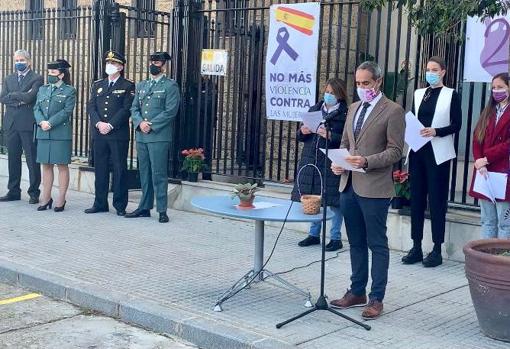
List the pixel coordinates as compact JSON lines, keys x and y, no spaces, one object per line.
{"x":157,"y":102}
{"x":55,"y":104}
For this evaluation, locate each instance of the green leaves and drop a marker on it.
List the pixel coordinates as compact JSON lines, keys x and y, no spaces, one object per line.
{"x":444,"y":17}
{"x":244,"y":190}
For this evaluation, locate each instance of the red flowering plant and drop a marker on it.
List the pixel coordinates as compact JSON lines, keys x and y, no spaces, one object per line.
{"x":402,"y":187}
{"x":194,"y":160}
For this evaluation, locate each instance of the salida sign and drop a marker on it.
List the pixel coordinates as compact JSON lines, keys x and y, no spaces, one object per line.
{"x":214,"y":62}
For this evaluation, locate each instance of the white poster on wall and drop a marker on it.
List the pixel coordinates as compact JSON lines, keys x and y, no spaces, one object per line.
{"x":486,"y":48}
{"x":214,"y":62}
{"x":291,"y":62}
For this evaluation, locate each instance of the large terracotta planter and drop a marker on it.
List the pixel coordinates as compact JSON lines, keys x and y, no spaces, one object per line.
{"x":489,"y":283}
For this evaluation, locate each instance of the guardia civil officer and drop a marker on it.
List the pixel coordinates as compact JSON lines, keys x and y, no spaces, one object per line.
{"x":109,"y":112}
{"x":53,"y":111}
{"x":155,"y":104}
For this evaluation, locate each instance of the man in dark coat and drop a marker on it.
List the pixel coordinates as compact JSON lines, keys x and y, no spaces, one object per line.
{"x":19,"y":92}
{"x":109,"y":111}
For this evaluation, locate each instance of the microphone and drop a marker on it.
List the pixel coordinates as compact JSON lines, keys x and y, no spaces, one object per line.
{"x":328,"y":118}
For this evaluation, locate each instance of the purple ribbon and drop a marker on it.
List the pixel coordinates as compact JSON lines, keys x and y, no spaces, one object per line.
{"x":282,"y":39}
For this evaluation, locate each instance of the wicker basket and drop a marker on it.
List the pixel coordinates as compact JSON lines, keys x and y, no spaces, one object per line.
{"x":311,"y":204}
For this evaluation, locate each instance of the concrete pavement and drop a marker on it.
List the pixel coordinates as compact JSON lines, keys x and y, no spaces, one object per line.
{"x":167,"y":277}
{"x":32,"y":321}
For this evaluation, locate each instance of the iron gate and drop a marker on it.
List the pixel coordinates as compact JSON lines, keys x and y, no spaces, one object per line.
{"x":226,"y":115}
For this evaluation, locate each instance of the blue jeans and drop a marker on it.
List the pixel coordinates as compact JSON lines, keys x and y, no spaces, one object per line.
{"x":494,"y":224}
{"x":336,"y":225}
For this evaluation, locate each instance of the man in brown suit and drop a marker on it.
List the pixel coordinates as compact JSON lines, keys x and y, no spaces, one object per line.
{"x":374,"y":136}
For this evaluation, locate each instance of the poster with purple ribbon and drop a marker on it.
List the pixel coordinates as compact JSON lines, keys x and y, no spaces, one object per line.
{"x":486,"y":48}
{"x":291,"y":61}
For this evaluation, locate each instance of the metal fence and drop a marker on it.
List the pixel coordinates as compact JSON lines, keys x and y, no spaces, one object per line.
{"x":243,"y":142}
{"x":51,"y":34}
{"x":226,"y":115}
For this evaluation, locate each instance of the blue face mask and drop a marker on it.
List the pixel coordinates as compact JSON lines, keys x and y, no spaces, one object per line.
{"x":432,"y":78}
{"x":21,"y":66}
{"x":330,"y":99}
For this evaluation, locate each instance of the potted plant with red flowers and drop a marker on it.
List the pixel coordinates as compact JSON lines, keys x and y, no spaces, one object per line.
{"x":193,"y":163}
{"x":402,"y":189}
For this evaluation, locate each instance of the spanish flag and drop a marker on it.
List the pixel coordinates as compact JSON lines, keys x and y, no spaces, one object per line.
{"x":298,"y":20}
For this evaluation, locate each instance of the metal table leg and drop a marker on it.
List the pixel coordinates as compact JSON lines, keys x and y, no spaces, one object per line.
{"x":259,"y":250}
{"x":263,"y":274}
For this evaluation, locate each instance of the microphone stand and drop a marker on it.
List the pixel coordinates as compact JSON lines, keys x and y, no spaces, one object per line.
{"x":322,"y":303}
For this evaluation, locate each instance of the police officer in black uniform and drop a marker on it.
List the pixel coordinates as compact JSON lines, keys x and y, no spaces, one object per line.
{"x":109,"y":111}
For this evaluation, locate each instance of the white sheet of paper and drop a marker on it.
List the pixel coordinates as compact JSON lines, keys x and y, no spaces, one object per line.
{"x":337,"y":156}
{"x":264,"y":204}
{"x":312,"y":120}
{"x":493,"y":187}
{"x":412,"y":133}
{"x":497,"y":182}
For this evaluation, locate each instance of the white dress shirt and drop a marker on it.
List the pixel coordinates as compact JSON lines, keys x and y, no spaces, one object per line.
{"x":114,"y":80}
{"x":369,"y":110}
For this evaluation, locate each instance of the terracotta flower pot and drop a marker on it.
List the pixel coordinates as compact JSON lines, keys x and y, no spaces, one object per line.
{"x":489,"y":283}
{"x":246,"y":202}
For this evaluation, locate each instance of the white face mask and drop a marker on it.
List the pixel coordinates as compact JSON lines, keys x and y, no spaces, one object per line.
{"x":110,"y":69}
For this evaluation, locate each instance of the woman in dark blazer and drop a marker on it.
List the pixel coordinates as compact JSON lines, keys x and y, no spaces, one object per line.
{"x":491,"y":149}
{"x":53,"y":114}
{"x":334,"y":108}
{"x":438,"y":109}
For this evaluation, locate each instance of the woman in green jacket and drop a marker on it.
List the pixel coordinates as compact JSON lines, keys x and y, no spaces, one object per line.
{"x":53,"y":114}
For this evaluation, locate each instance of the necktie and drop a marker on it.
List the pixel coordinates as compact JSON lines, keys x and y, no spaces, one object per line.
{"x":20,"y":78}
{"x":110,"y":84}
{"x":361,"y":118}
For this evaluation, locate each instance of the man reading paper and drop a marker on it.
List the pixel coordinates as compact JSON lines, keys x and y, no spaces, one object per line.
{"x":374,"y":135}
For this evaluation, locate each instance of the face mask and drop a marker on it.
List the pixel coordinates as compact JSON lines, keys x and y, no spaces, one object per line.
{"x":154,"y":69}
{"x":432,"y":78}
{"x":329,"y":98}
{"x":367,"y":94}
{"x":52,"y":79}
{"x":499,"y":95}
{"x":110,"y":69}
{"x":21,"y":66}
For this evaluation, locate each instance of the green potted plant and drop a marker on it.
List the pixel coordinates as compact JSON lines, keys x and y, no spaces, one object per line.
{"x":402,"y":189}
{"x":193,"y":163}
{"x":246,"y":194}
{"x":488,"y":273}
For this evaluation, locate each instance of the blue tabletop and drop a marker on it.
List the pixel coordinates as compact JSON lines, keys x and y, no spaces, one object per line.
{"x":226,"y":206}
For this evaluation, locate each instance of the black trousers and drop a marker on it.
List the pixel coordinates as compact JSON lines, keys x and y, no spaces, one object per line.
{"x":110,"y":153}
{"x":17,"y":142}
{"x":428,"y":180}
{"x":365,"y":222}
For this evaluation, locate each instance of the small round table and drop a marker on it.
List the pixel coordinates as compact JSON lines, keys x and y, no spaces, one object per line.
{"x":266,"y":209}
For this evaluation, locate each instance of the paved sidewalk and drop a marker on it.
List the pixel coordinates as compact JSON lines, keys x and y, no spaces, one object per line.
{"x":168,"y":276}
{"x":32,"y":321}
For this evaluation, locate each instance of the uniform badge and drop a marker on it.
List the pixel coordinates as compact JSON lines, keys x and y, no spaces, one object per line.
{"x":99,"y":90}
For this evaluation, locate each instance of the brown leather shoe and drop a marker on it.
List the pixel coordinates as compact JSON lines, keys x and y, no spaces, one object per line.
{"x":349,"y":300}
{"x":372,"y":310}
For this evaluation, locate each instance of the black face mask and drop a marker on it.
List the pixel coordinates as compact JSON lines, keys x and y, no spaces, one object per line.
{"x":154,"y":69}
